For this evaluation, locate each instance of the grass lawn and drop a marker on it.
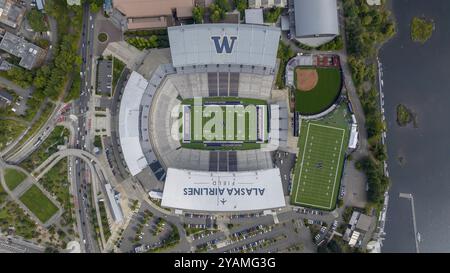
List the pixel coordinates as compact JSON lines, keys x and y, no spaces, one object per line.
{"x":13,"y":178}
{"x":38,"y":203}
{"x":55,"y":182}
{"x":322,"y":95}
{"x":317,"y":174}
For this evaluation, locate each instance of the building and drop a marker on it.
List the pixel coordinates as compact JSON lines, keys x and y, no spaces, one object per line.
{"x":31,"y":55}
{"x":73,"y":2}
{"x":148,"y":14}
{"x":216,"y":44}
{"x":205,"y":60}
{"x":11,"y":13}
{"x":104,"y":77}
{"x":6,"y":97}
{"x":223,"y":191}
{"x":358,"y":227}
{"x":128,"y":125}
{"x":315,"y":21}
{"x":373,"y":2}
{"x":256,"y":4}
{"x":254,"y":16}
{"x":113,"y":201}
{"x":40,"y":4}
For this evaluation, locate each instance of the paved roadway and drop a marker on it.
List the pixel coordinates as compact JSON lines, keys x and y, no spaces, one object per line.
{"x":81,"y":106}
{"x":16,"y":245}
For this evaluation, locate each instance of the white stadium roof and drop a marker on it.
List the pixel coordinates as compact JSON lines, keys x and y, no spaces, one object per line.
{"x":223,"y":191}
{"x":224,"y":44}
{"x":128,"y":125}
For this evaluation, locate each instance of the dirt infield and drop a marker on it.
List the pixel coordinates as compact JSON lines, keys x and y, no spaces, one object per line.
{"x":306,"y":79}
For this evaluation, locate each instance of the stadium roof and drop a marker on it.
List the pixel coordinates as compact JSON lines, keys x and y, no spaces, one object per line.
{"x":315,"y":18}
{"x":223,"y":191}
{"x":129,"y":123}
{"x":224,"y":44}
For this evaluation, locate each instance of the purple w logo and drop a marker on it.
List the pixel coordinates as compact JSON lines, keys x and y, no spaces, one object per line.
{"x":225,"y":44}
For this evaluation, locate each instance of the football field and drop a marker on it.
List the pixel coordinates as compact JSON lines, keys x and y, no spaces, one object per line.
{"x":319,"y":166}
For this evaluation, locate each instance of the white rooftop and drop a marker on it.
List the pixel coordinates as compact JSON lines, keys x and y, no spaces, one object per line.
{"x":254,"y":16}
{"x":223,"y":191}
{"x":224,"y":44}
{"x":129,"y":123}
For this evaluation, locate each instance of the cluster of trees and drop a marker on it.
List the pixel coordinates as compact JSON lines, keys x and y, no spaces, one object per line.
{"x":378,"y":183}
{"x":218,"y":9}
{"x":144,"y":43}
{"x":50,"y":80}
{"x":144,"y":39}
{"x":421,"y":29}
{"x":336,"y":44}
{"x":198,"y":13}
{"x":271,"y":15}
{"x":366,"y":27}
{"x":284,"y":54}
{"x":36,"y":19}
{"x":94,"y":5}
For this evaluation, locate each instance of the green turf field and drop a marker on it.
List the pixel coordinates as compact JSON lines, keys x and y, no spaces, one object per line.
{"x":225,"y":123}
{"x":38,"y":203}
{"x":322,"y":95}
{"x":322,"y":146}
{"x":13,"y":178}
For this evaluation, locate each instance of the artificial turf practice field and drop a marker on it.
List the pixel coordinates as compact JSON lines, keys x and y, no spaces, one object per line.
{"x":322,"y":146}
{"x":322,"y":95}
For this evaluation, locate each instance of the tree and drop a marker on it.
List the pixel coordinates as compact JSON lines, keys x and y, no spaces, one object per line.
{"x":37,"y":21}
{"x":216,"y":13}
{"x":271,"y":15}
{"x":223,"y":5}
{"x":198,"y":13}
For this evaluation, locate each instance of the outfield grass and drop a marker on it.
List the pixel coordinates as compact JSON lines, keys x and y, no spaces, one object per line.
{"x":322,"y":95}
{"x":38,"y":203}
{"x":317,"y":174}
{"x":13,"y":178}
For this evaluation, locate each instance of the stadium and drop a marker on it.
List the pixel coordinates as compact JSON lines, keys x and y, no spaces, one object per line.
{"x":205,"y":124}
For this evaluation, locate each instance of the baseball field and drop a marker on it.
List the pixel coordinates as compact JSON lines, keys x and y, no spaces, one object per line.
{"x":317,"y":88}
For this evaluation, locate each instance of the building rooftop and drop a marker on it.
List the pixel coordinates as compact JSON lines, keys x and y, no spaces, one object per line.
{"x":364,"y":222}
{"x":239,"y":44}
{"x":11,"y":14}
{"x":153,"y":8}
{"x":315,"y":18}
{"x":29,"y":53}
{"x":254,"y":16}
{"x":114,"y":204}
{"x":128,"y":125}
{"x":6,"y":96}
{"x":223,"y":191}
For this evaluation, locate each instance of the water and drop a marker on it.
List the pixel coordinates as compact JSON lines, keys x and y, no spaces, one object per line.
{"x":419,"y":77}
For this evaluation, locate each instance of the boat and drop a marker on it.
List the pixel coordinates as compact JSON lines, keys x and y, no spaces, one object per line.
{"x":418,"y":237}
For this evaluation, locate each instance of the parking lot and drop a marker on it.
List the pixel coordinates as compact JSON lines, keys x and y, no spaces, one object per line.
{"x":285,"y":162}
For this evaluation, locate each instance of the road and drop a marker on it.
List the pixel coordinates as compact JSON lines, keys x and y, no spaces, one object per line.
{"x":16,"y":245}
{"x":80,"y":109}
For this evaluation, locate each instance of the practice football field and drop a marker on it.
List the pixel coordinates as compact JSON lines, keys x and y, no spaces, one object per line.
{"x":319,"y":167}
